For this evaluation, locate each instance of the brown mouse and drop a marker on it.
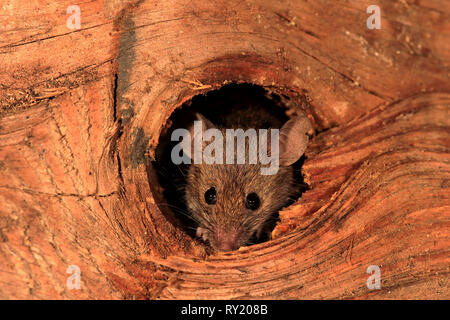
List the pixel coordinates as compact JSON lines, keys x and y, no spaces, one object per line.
{"x":232,"y":203}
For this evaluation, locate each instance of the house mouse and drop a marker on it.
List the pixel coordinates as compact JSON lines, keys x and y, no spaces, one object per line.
{"x":232,"y":203}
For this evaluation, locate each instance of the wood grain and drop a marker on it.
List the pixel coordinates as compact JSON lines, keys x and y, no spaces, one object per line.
{"x":81,"y":112}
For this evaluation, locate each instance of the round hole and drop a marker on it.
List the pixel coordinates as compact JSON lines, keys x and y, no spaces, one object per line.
{"x":231,"y":106}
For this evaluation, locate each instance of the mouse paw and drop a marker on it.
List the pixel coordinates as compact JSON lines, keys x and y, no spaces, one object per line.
{"x":265,"y":233}
{"x":202,"y":233}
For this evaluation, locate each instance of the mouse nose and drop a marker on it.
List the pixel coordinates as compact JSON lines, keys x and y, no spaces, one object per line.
{"x":227,"y":240}
{"x":227,"y":246}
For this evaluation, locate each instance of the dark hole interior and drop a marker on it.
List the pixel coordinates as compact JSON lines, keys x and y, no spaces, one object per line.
{"x":218,"y":106}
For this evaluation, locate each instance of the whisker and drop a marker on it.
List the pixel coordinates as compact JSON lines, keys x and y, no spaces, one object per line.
{"x":180,"y":211}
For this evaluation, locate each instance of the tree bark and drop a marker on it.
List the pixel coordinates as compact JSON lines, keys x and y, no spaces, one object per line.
{"x":82,"y":111}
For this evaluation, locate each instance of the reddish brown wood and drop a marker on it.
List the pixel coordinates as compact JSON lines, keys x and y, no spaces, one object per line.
{"x":82,"y":111}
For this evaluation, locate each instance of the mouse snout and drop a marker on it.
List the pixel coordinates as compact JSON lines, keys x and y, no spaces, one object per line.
{"x":227,"y":240}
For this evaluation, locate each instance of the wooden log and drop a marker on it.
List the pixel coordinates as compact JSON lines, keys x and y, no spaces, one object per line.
{"x":82,"y":112}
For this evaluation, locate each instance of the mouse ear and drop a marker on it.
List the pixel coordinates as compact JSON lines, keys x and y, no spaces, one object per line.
{"x":293,"y":139}
{"x":206,"y":124}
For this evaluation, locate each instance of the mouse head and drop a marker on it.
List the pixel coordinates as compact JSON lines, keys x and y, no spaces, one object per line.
{"x":233,"y":202}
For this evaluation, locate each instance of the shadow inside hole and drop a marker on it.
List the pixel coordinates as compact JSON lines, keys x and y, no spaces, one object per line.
{"x":220,"y":107}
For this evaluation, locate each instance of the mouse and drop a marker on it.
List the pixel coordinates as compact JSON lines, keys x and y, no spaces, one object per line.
{"x":232,"y":203}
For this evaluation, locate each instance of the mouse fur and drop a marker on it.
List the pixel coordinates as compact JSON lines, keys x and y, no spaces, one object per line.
{"x":228,"y":223}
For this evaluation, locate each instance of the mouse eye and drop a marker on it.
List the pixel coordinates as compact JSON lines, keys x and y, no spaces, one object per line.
{"x":252,"y":201}
{"x":211,"y":196}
